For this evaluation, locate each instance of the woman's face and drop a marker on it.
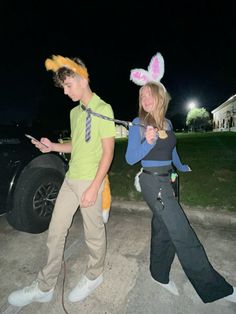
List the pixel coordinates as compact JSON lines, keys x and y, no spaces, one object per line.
{"x":147,"y":100}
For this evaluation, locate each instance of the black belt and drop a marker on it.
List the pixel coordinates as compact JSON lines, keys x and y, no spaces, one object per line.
{"x":156,"y":173}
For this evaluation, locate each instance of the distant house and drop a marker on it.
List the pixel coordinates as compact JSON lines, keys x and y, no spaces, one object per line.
{"x":224,"y":116}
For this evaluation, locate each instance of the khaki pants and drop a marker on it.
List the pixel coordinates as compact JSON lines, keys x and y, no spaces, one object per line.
{"x":67,"y":203}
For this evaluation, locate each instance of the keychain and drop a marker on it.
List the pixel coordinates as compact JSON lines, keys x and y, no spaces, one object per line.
{"x":173,"y":176}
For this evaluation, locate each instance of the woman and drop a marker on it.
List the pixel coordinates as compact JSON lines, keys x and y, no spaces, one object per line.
{"x":154,"y":144}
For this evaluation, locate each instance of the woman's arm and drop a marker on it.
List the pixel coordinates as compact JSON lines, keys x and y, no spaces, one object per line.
{"x":136,"y":149}
{"x":177,"y":163}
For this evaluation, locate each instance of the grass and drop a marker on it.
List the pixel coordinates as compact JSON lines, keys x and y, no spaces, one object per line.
{"x":212,"y":182}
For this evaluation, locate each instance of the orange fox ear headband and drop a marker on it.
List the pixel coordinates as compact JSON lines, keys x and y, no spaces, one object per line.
{"x":57,"y":62}
{"x":154,"y":73}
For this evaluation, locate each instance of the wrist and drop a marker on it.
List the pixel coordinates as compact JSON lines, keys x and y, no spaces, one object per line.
{"x":53,"y":147}
{"x":95,"y":185}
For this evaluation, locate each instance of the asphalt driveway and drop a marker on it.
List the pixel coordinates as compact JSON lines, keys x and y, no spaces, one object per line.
{"x":127,"y":288}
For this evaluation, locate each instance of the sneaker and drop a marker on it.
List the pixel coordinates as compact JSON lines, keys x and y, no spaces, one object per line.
{"x":231,"y":297}
{"x":29,"y":294}
{"x":84,"y":288}
{"x":170,"y":286}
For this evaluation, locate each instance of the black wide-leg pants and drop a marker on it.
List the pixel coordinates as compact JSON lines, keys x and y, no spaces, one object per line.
{"x":171,"y":233}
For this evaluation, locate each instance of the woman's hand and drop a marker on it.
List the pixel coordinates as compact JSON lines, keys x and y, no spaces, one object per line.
{"x":151,"y":134}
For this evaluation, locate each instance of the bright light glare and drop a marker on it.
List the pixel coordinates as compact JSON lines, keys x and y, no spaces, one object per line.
{"x":192,"y":105}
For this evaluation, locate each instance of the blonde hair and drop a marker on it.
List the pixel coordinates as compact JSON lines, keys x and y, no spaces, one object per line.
{"x":161,"y":101}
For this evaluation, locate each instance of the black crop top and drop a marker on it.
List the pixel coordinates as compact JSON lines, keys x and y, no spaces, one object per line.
{"x":163,"y":148}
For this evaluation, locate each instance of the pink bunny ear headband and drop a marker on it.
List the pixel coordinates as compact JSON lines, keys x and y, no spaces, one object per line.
{"x":154,"y":73}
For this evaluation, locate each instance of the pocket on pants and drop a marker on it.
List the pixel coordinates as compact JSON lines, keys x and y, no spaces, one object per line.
{"x":167,"y":191}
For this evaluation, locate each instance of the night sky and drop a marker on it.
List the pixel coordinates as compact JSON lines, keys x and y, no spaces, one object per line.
{"x":196,"y":38}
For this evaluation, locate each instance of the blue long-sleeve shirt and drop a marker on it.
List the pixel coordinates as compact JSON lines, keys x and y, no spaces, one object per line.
{"x":137,"y":149}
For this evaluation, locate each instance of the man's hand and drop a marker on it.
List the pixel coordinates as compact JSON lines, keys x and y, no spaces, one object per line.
{"x":89,"y":197}
{"x":44,"y":145}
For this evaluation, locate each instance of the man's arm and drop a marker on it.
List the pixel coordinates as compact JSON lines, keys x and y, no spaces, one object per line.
{"x":90,"y":195}
{"x":62,"y":147}
{"x":108,"y":145}
{"x":52,"y":147}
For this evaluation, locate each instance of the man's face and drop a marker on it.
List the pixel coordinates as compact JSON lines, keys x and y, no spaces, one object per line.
{"x":73,"y":88}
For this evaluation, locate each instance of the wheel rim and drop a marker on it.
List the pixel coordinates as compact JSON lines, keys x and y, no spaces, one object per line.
{"x":44,"y":199}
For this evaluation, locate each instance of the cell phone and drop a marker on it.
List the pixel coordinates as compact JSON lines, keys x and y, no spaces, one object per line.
{"x":35,"y":139}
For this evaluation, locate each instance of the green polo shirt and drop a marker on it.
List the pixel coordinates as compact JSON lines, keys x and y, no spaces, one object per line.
{"x":86,"y":156}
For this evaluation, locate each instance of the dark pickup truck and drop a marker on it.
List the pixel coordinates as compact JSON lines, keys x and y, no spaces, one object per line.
{"x":29,"y":181}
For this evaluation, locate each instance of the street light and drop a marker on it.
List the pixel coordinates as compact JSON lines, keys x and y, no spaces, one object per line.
{"x":192,"y":104}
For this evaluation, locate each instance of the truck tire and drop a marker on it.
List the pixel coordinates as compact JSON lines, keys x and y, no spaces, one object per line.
{"x":34,"y":199}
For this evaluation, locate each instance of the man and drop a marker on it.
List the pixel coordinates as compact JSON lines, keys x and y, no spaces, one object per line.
{"x":91,"y":148}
